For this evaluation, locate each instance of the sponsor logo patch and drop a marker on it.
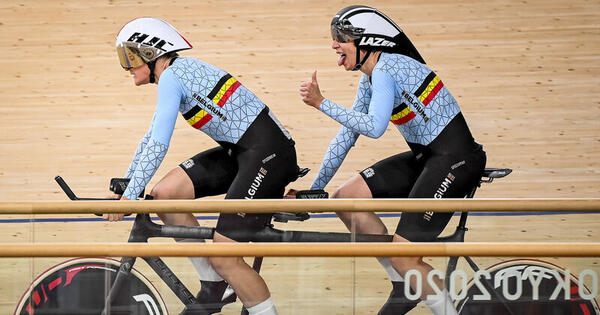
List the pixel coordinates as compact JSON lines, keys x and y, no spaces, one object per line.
{"x":369,"y":172}
{"x":188,"y":164}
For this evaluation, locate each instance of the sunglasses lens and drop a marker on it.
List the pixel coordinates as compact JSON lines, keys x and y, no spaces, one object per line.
{"x":341,"y":36}
{"x":129,"y":57}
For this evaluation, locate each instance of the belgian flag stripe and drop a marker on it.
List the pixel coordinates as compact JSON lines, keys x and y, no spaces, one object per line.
{"x":225,"y":92}
{"x":192,"y":112}
{"x":230,"y":91}
{"x":197,"y":117}
{"x":399,"y":108}
{"x":426,"y":82}
{"x":427,"y":97}
{"x":405,"y":119}
{"x":206,"y":117}
{"x":217,"y":87}
{"x":402,"y":114}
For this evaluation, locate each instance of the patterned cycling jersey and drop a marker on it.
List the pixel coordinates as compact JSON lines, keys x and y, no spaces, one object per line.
{"x":401,"y":90}
{"x":210,"y":100}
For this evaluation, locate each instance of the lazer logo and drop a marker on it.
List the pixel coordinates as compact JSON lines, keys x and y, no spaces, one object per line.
{"x":154,"y":41}
{"x":256,"y":183}
{"x":376,"y":41}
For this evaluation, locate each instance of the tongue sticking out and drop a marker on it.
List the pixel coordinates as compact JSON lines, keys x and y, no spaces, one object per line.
{"x":341,"y":60}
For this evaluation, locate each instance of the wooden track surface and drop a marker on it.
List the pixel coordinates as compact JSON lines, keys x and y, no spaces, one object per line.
{"x":526,"y":75}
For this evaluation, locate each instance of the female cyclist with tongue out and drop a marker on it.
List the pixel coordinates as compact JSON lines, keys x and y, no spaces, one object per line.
{"x":444,"y":161}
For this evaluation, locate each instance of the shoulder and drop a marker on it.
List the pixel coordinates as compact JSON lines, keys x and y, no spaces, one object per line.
{"x":168,"y":77}
{"x":395,"y":63}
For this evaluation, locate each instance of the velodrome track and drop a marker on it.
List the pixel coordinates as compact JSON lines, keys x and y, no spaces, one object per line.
{"x":525,"y":73}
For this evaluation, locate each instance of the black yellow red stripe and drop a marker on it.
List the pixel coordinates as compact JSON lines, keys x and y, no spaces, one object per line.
{"x":223,"y":89}
{"x":198,"y":117}
{"x":402,"y":114}
{"x":429,"y":89}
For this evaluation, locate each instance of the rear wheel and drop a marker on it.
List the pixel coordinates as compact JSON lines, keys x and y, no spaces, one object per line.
{"x":527,"y":286}
{"x":79,"y":286}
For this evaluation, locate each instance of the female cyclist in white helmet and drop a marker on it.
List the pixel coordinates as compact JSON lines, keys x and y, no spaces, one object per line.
{"x":252,"y":144}
{"x":444,"y":161}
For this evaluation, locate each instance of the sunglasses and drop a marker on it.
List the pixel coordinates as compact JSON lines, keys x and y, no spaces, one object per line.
{"x":130,"y":55}
{"x":343,"y":32}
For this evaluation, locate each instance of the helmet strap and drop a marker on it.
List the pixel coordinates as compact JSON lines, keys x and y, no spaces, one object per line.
{"x":151,"y":66}
{"x":358,"y":64}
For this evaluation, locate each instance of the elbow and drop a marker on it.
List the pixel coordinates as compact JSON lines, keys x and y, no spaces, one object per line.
{"x":376,"y":133}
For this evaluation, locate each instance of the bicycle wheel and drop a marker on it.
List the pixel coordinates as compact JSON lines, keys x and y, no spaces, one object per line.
{"x":527,"y":286}
{"x":80,"y":285}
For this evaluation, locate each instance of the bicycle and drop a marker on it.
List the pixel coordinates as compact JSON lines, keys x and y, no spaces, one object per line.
{"x":115,"y":278}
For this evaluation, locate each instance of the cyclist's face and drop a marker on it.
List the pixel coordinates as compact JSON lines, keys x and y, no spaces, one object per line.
{"x":141,"y":74}
{"x":347,"y":54}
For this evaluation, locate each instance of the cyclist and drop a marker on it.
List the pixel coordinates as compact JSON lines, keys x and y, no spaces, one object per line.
{"x":255,"y":157}
{"x":444,"y":160}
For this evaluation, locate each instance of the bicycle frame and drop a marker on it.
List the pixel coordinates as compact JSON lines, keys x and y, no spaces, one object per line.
{"x":143,"y":229}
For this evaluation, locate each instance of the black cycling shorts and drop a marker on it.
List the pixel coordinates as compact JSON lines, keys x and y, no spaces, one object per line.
{"x":249,"y":172}
{"x":435,"y":176}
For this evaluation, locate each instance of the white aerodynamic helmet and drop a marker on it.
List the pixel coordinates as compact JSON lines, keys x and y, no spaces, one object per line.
{"x":145,"y":39}
{"x":371,"y":30}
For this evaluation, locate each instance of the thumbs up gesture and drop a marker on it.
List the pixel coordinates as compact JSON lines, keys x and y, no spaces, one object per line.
{"x":310,"y":92}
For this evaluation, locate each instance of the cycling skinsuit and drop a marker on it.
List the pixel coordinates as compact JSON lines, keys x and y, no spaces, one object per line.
{"x":444,"y":160}
{"x":256,"y":157}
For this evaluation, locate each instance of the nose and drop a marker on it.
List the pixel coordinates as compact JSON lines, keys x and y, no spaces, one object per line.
{"x":335,"y":44}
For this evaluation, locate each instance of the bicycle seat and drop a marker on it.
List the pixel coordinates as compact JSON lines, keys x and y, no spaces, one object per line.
{"x":496,"y":172}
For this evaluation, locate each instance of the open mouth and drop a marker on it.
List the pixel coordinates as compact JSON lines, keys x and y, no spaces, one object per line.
{"x":342,"y":59}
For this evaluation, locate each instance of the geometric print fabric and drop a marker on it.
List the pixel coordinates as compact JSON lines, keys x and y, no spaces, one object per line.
{"x":423,"y":107}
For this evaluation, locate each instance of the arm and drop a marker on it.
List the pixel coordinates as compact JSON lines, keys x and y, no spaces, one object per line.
{"x":137,"y":154}
{"x":373,"y":122}
{"x":343,"y":141}
{"x":170,"y":94}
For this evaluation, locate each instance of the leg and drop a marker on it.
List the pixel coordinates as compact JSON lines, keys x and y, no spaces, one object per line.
{"x":375,"y":182}
{"x":175,"y":185}
{"x":249,"y":285}
{"x":263,"y":173}
{"x":207,"y":173}
{"x":359,"y":222}
{"x":441,"y":177}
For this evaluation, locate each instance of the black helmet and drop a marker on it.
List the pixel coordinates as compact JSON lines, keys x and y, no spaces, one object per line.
{"x":371,"y":30}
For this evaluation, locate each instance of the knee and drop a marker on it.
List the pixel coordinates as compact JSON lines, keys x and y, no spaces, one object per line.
{"x":162,"y":191}
{"x":404,"y":264}
{"x":222,"y":264}
{"x":343,"y":192}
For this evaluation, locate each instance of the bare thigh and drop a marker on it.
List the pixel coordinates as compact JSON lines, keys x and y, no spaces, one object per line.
{"x":175,"y":185}
{"x":359,"y":222}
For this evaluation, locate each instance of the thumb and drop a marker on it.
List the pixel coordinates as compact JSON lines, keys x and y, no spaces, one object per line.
{"x":314,"y":77}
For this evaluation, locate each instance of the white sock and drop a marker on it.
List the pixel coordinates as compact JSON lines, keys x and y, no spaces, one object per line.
{"x":387,"y":265}
{"x":441,"y":306}
{"x":201,"y":264}
{"x":265,"y":307}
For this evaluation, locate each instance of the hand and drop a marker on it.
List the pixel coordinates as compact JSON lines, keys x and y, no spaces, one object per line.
{"x":115,"y":217}
{"x":310,"y":92}
{"x":291,"y":194}
{"x":113,"y":197}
